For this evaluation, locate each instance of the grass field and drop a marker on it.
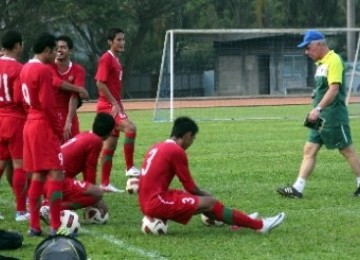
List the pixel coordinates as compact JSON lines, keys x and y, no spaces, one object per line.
{"x":241,"y":163}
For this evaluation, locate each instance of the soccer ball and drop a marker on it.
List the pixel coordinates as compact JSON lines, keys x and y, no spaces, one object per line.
{"x":132,"y":185}
{"x":154,"y":226}
{"x":95,"y":215}
{"x":210,"y":222}
{"x":70,"y":220}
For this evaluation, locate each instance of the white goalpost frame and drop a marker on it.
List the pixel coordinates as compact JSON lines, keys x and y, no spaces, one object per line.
{"x":351,"y":83}
{"x":170,"y":34}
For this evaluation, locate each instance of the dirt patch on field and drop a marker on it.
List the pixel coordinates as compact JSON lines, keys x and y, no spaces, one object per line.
{"x":145,"y":104}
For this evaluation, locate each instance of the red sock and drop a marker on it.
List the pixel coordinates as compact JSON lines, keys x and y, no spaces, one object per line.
{"x":129,"y":148}
{"x":79,"y":202}
{"x":35,"y":192}
{"x":54,"y":195}
{"x":235,"y":217}
{"x":106,"y":165}
{"x":20,"y":188}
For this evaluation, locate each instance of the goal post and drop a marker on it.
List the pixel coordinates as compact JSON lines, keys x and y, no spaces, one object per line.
{"x":220,"y":68}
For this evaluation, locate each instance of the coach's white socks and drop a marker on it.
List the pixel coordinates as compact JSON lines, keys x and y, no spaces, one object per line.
{"x":299,"y":184}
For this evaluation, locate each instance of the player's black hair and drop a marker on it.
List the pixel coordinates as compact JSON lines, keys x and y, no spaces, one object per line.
{"x":111,"y":34}
{"x":67,"y":39}
{"x":103,"y":124}
{"x":10,"y":38}
{"x":43,"y":41}
{"x":183,"y":125}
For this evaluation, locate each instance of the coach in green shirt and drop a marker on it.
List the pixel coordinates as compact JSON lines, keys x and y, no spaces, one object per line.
{"x":329,"y":104}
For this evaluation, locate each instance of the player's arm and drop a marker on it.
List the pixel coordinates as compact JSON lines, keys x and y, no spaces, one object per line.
{"x":82,"y":92}
{"x":47,"y":100}
{"x":103,"y":88}
{"x":73,"y":103}
{"x":91,"y":162}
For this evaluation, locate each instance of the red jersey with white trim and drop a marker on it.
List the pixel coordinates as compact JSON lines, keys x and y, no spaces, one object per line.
{"x":81,"y":154}
{"x":109,"y":72}
{"x":161,"y":164}
{"x":11,"y":103}
{"x":39,"y":93}
{"x":75,"y":74}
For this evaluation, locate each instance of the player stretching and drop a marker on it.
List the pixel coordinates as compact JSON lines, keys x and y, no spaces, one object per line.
{"x":81,"y":153}
{"x":12,"y":119}
{"x":109,"y":82}
{"x":69,"y":78}
{"x":168,"y":159}
{"x":42,"y":134}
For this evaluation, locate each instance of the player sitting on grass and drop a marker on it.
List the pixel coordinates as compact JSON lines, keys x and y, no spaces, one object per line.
{"x":168,"y":159}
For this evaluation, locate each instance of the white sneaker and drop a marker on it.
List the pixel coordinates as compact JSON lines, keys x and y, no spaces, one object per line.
{"x":272,"y":222}
{"x":133,"y":172}
{"x":21,"y":216}
{"x":110,"y":188}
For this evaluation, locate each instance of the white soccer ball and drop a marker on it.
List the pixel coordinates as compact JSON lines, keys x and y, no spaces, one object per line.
{"x":95,"y":215}
{"x":70,"y":220}
{"x":132,"y":185}
{"x":154,"y":226}
{"x":210,"y":222}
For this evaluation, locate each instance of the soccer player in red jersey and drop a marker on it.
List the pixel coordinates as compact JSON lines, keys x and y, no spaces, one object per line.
{"x":12,"y":119}
{"x":109,"y":82}
{"x":42,"y":133}
{"x":81,"y":153}
{"x":69,"y":78}
{"x":168,"y":159}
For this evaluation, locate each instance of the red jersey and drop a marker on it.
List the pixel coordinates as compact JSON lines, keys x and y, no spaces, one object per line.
{"x":75,"y":74}
{"x":109,"y":72}
{"x":81,"y":154}
{"x":39,"y":93}
{"x":10,"y":88}
{"x":161,"y":164}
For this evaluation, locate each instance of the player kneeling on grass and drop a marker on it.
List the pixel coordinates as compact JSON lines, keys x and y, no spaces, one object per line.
{"x":77,"y":195}
{"x":168,"y":159}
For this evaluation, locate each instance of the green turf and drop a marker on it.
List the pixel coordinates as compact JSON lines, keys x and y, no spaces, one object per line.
{"x":241,"y":163}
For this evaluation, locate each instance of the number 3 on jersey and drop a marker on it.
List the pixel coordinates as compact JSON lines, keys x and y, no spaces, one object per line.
{"x":25,"y":92}
{"x":148,"y":161}
{"x":4,"y":88}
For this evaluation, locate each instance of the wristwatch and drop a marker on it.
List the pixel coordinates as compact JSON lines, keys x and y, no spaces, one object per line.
{"x":318,"y":108}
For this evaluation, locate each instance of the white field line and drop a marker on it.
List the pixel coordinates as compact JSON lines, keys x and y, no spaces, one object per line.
{"x":113,"y":240}
{"x":123,"y":245}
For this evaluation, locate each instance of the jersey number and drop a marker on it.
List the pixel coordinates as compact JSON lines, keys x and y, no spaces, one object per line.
{"x":151,"y":156}
{"x":4,"y":83}
{"x":25,"y":92}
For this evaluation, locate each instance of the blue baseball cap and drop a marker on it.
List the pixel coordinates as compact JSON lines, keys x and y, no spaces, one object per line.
{"x":310,"y":36}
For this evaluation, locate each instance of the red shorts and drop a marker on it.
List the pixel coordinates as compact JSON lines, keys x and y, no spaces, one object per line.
{"x":118,"y":118}
{"x":72,"y":188}
{"x":176,"y":205}
{"x":41,"y":147}
{"x":11,"y":137}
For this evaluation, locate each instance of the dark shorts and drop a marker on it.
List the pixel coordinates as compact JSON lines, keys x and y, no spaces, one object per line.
{"x":333,"y":137}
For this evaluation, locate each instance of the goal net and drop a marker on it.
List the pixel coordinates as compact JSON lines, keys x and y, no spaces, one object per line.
{"x":205,"y":74}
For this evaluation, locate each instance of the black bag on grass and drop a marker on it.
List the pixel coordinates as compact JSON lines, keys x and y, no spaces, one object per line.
{"x":10,"y":240}
{"x":60,"y":247}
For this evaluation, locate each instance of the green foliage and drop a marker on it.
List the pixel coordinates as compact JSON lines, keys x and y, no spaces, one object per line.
{"x":241,"y":163}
